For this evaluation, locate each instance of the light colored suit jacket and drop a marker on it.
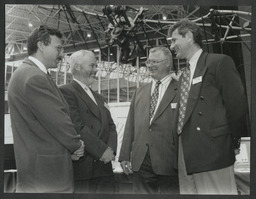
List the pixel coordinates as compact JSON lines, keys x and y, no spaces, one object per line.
{"x":44,"y":136}
{"x":215,"y":115}
{"x":96,"y":127}
{"x":140,"y":135}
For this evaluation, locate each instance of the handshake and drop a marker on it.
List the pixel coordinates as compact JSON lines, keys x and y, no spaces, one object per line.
{"x":78,"y":153}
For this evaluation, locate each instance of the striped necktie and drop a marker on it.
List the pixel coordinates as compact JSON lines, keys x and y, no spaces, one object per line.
{"x":154,"y":98}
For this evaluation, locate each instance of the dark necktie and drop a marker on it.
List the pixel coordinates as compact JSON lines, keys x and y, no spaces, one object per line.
{"x":153,"y":100}
{"x":185,"y":82}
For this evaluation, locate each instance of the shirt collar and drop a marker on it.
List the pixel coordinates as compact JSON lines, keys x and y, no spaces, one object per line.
{"x":165,"y":80}
{"x":195,"y":57}
{"x":84,"y":86}
{"x":40,"y":65}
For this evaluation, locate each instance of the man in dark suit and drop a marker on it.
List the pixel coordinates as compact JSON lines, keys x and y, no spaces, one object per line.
{"x":44,"y":136}
{"x":147,"y":148}
{"x":89,"y":112}
{"x":208,"y":135}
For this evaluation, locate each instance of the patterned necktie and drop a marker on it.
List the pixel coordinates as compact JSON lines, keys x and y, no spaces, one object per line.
{"x":185,"y":81}
{"x":153,"y":100}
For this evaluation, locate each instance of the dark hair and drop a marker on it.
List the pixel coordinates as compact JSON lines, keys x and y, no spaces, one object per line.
{"x":185,"y":25}
{"x":41,"y":34}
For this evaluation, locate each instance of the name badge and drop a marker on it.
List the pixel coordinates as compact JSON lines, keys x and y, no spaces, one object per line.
{"x":197,"y":80}
{"x":106,"y":105}
{"x":173,"y":105}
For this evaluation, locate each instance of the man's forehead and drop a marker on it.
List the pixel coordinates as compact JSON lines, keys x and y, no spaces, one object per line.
{"x":56,"y":40}
{"x":90,"y":58}
{"x":156,"y":54}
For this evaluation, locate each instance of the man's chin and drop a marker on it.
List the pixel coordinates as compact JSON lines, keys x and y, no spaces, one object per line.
{"x":152,"y":75}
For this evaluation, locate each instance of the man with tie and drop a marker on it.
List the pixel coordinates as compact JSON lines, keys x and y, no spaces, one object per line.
{"x":43,"y":133}
{"x":89,"y":112}
{"x":147,"y":148}
{"x":211,"y":117}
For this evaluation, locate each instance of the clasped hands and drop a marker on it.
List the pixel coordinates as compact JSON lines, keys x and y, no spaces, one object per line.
{"x":78,"y":153}
{"x":107,"y":156}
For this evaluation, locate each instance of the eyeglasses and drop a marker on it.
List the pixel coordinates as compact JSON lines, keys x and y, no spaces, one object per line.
{"x":94,"y":65}
{"x":154,"y":62}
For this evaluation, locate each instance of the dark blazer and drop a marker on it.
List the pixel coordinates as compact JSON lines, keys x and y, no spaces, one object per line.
{"x":96,"y":127}
{"x":139,"y":134}
{"x":215,"y":116}
{"x":44,"y":136}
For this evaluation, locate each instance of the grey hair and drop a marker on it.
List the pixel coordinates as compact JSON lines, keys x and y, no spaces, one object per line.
{"x":75,"y":58}
{"x":167,"y":53}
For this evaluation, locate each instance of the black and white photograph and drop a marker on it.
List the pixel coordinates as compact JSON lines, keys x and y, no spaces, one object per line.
{"x":134,"y":100}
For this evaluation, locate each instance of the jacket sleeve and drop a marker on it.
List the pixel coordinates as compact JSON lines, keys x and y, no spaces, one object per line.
{"x":51,"y":112}
{"x":234,"y":97}
{"x":128,"y":136}
{"x":112,"y":139}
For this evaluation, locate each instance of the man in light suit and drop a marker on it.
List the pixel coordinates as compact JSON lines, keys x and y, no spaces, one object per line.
{"x":148,"y":147}
{"x":89,"y":112}
{"x":215,"y":116}
{"x":44,"y":135}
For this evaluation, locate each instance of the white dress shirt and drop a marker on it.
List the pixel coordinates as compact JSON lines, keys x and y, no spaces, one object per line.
{"x":162,"y":88}
{"x":193,"y":62}
{"x":40,"y":65}
{"x":86,"y":89}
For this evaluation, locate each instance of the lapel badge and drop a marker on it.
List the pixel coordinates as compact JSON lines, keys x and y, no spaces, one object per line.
{"x":197,"y":80}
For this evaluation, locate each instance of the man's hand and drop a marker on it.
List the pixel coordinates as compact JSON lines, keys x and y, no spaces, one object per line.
{"x":79,"y":152}
{"x":237,"y":151}
{"x":107,"y":156}
{"x":127,"y":167}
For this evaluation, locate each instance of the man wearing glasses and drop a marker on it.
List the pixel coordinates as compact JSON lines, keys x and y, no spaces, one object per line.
{"x":147,"y":148}
{"x":44,"y":135}
{"x":89,"y":112}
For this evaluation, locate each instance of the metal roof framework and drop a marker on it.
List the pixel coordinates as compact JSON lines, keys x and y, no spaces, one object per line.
{"x":77,"y":21}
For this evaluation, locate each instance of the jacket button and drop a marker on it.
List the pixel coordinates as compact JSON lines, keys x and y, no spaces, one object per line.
{"x":200,"y":113}
{"x":201,"y":97}
{"x":150,"y":130}
{"x":198,"y":128}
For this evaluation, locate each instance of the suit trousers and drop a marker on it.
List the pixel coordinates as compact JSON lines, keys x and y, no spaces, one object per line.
{"x":221,"y":181}
{"x":104,"y":184}
{"x":146,"y":181}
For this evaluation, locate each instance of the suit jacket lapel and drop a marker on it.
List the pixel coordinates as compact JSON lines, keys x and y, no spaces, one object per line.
{"x":85,"y":97}
{"x":169,"y":95}
{"x":201,"y":68}
{"x":102,"y":112}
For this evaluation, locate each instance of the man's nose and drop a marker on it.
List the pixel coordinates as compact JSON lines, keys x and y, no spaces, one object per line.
{"x":95,"y":69}
{"x":172,"y":46}
{"x":61,"y":53}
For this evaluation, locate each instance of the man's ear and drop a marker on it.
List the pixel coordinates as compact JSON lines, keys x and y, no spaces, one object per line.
{"x":40,"y":45}
{"x":189,"y":36}
{"x":77,"y":67}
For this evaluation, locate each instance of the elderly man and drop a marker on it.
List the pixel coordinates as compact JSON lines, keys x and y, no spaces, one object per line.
{"x":92,"y":119}
{"x":147,"y":148}
{"x":44,"y":136}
